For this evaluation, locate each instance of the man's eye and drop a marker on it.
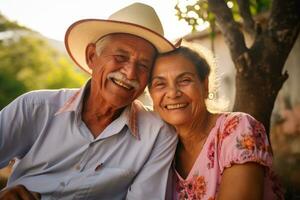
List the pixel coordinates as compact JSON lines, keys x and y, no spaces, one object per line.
{"x":120,"y":58}
{"x":143,"y":66}
{"x":185,"y":80}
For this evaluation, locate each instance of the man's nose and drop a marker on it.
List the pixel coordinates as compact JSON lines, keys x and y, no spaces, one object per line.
{"x":130,"y":70}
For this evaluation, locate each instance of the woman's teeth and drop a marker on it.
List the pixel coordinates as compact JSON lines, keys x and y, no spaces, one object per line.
{"x":176,"y":106}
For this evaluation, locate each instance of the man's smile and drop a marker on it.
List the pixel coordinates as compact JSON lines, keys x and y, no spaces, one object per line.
{"x":122,"y":84}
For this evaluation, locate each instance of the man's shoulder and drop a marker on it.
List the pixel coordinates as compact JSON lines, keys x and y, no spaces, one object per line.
{"x":150,"y":123}
{"x":51,"y":96}
{"x":148,"y":116}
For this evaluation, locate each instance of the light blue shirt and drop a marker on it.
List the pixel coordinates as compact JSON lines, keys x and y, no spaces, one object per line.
{"x":60,"y":158}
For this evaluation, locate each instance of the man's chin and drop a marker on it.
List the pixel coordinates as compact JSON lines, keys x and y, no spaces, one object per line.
{"x":118,"y":102}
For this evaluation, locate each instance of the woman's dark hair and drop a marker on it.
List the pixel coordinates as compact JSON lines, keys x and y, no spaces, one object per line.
{"x":202,"y":67}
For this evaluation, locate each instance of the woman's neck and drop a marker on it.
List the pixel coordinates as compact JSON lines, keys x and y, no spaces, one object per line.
{"x":192,"y":138}
{"x":194,"y":133}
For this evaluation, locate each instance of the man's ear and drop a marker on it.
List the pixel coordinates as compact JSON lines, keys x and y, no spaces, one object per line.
{"x":90,"y":55}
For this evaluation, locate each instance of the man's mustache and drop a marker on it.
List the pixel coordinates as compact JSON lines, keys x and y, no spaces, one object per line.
{"x":121,"y":77}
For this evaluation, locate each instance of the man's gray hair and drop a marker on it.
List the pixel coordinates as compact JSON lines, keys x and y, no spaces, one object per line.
{"x":101,"y":43}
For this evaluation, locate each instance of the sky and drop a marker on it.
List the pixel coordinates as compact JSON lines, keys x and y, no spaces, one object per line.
{"x":51,"y":18}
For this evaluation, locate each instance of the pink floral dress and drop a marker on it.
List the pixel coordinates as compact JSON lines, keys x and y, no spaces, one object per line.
{"x":237,"y":138}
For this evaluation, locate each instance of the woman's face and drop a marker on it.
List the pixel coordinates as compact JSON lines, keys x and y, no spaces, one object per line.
{"x":177,"y":92}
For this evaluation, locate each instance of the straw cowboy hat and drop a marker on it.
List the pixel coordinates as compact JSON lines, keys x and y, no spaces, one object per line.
{"x":137,"y":19}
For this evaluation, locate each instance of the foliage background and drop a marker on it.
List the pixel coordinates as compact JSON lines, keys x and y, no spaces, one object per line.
{"x":29,"y":62}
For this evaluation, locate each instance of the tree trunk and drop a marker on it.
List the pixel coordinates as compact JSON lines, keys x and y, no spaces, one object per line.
{"x":258,"y":80}
{"x":259,"y":68}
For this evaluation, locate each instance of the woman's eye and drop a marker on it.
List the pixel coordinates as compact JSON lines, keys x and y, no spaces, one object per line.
{"x":120,"y":58}
{"x":185,"y":81}
{"x":158,"y":85}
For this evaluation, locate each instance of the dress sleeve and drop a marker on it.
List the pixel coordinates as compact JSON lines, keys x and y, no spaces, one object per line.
{"x":243,"y":139}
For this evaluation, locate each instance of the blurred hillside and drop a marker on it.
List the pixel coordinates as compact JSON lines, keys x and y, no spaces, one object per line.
{"x":29,"y":61}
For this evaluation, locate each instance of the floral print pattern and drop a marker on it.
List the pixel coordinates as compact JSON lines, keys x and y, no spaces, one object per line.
{"x":230,"y":127}
{"x":192,"y":189}
{"x":211,"y":154}
{"x":253,"y":140}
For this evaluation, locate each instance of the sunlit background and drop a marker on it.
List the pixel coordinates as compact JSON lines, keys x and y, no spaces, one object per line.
{"x":52,"y":17}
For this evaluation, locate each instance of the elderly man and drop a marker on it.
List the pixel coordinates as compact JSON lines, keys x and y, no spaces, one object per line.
{"x":96,"y":142}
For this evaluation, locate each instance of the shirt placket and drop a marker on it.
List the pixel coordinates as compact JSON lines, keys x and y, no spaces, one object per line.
{"x":79,"y":175}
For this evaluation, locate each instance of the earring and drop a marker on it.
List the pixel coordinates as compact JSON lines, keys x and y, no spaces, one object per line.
{"x":211,"y":96}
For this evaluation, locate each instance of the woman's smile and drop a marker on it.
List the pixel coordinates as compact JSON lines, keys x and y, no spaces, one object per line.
{"x":176,"y":106}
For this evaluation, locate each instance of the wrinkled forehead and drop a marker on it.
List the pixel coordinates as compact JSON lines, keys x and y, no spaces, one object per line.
{"x":174,"y":64}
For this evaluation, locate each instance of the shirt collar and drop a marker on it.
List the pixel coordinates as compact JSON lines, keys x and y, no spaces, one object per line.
{"x":135,"y":108}
{"x":74,"y":104}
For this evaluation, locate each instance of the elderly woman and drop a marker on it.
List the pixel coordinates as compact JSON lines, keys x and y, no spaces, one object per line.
{"x":219,"y":156}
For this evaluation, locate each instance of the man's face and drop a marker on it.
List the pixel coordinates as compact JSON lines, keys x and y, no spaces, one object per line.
{"x":120,"y":68}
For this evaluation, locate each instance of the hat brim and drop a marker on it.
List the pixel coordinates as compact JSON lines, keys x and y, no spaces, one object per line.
{"x":83,"y":32}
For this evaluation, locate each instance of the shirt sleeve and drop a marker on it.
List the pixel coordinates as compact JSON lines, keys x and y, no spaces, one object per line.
{"x":15,"y":129}
{"x":151,"y":182}
{"x":243,"y":139}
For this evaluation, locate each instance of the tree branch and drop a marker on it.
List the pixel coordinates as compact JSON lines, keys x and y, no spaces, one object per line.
{"x":229,"y":28}
{"x":284,"y":14}
{"x":244,"y":10}
{"x":284,"y":24}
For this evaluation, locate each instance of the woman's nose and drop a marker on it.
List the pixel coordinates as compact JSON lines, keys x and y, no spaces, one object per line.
{"x":173,"y":92}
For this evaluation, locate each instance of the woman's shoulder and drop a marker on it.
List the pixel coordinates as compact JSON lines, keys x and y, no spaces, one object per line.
{"x":232,"y":121}
{"x":241,"y":131}
{"x":240,"y":139}
{"x":227,"y":116}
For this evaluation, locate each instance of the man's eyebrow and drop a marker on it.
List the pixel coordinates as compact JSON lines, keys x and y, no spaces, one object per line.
{"x":145,"y":60}
{"x":122,"y":51}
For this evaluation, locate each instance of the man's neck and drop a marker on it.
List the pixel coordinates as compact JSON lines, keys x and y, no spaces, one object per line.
{"x":98,"y":113}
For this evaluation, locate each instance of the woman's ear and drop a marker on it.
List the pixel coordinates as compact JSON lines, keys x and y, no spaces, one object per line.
{"x":90,"y":55}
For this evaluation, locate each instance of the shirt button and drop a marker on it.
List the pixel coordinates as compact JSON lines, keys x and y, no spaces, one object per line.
{"x":98,"y":167}
{"x":77,"y":167}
